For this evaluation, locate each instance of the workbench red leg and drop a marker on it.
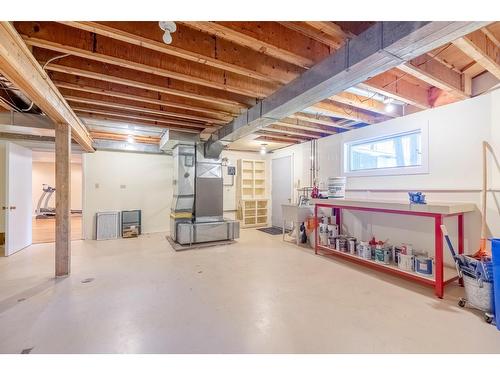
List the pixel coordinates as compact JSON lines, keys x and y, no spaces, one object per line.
{"x":461,"y":240}
{"x":316,"y":237}
{"x":438,"y":238}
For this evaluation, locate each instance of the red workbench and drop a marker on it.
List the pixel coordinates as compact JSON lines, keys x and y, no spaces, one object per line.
{"x":436,"y":211}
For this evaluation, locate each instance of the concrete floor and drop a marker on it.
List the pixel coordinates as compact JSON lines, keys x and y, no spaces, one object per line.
{"x":259,"y":295}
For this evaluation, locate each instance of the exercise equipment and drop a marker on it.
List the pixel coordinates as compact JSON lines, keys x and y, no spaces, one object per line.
{"x":45,"y":212}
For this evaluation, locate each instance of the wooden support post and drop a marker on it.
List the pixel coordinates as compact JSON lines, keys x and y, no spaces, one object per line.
{"x":63,"y":188}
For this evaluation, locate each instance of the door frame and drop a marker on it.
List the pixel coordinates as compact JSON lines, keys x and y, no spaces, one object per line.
{"x":292,"y":179}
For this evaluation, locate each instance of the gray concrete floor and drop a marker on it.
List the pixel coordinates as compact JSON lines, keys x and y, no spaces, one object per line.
{"x":260,"y":295}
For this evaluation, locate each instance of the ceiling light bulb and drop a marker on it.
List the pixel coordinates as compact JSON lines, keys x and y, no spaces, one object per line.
{"x":167,"y":38}
{"x":130,"y":139}
{"x":263,"y":149}
{"x":389,"y":107}
{"x":168,"y":26}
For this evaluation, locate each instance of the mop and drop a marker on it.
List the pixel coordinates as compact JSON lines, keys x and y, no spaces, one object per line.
{"x":483,"y":251}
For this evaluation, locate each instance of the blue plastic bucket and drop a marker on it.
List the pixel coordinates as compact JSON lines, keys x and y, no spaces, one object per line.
{"x":495,"y":251}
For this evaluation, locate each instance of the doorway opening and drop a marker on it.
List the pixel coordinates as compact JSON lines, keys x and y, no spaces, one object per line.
{"x":43,"y":196}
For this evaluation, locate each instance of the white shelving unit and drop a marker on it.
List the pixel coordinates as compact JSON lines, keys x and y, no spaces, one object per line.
{"x":252,"y":195}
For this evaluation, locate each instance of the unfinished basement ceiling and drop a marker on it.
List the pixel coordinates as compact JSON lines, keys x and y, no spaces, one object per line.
{"x":117,"y":75}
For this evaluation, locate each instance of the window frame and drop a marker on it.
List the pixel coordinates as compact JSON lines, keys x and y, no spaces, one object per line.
{"x":374,"y":136}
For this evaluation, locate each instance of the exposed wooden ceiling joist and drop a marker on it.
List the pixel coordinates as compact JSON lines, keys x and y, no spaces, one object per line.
{"x":284,"y":136}
{"x":334,"y":41}
{"x":267,"y":138}
{"x":306,"y":125}
{"x":191,"y":45}
{"x":318,"y":119}
{"x":164,"y":123}
{"x":124,"y":138}
{"x":378,"y":49}
{"x":118,"y":53}
{"x":140,"y":84}
{"x":126,"y":107}
{"x":365,"y":103}
{"x":139,"y":98}
{"x":269,"y":38}
{"x":334,"y":109}
{"x":391,"y":84}
{"x":279,"y":128}
{"x":436,"y":74}
{"x":482,"y":49}
{"x":19,"y":65}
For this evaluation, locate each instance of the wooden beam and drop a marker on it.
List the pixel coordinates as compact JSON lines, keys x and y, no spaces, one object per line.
{"x":436,"y":74}
{"x":283,"y":136}
{"x":126,"y":107}
{"x":479,"y":47}
{"x":117,"y":93}
{"x":129,"y":121}
{"x":143,"y":85}
{"x":333,"y":41}
{"x":63,"y":199}
{"x":21,"y":68}
{"x":331,"y":108}
{"x":328,"y":28}
{"x":198,"y":77}
{"x":391,"y":84}
{"x":124,"y":137}
{"x":171,"y":124}
{"x":365,"y":103}
{"x":267,"y":138}
{"x":319,"y":119}
{"x":281,"y":129}
{"x":306,"y":125}
{"x":179,"y":48}
{"x":268,"y":38}
{"x":383,"y":46}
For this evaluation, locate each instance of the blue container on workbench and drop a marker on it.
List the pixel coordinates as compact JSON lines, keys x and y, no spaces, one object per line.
{"x":495,"y":252}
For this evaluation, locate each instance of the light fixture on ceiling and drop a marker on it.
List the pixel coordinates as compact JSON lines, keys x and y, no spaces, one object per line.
{"x":389,"y":106}
{"x":130,"y":139}
{"x":169,"y":27}
{"x":263,"y":149}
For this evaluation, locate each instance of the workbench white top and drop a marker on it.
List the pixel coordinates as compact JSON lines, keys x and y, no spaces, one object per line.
{"x":444,"y":208}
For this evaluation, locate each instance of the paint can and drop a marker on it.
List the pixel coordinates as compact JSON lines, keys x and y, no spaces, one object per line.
{"x":382,"y":255}
{"x":423,"y":265}
{"x":336,"y":187}
{"x":406,"y":262}
{"x":396,"y":250}
{"x":351,"y":245}
{"x":407,"y":249}
{"x":341,"y":244}
{"x":333,"y":230}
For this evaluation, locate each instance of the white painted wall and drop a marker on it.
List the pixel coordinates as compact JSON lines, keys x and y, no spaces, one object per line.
{"x":44,"y":173}
{"x":456,"y":132}
{"x":121,"y":181}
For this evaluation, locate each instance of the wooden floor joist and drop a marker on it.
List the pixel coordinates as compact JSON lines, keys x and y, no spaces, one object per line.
{"x":143,"y":85}
{"x":179,"y":48}
{"x":21,"y":68}
{"x":143,"y":99}
{"x":482,"y":49}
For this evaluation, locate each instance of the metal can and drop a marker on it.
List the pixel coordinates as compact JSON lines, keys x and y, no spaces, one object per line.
{"x":351,"y":245}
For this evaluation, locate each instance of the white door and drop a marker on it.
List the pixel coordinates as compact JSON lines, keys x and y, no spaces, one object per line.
{"x":281,"y":187}
{"x":18,"y":198}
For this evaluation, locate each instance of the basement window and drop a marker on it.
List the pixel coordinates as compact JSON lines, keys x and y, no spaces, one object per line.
{"x":391,"y":154}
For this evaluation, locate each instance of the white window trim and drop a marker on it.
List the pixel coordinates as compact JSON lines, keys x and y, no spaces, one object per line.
{"x":371,"y":134}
